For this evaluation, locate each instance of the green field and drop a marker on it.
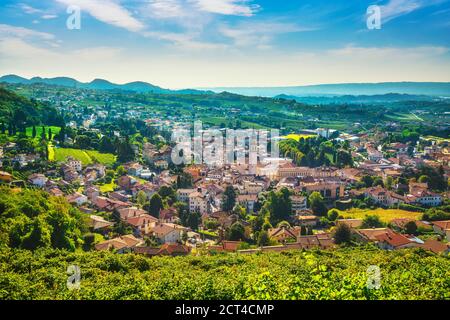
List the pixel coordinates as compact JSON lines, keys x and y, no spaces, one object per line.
{"x":404,"y":117}
{"x":85,"y":156}
{"x":55,"y":130}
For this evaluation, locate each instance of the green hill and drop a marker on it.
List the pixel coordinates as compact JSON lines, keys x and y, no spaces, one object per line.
{"x":22,"y":111}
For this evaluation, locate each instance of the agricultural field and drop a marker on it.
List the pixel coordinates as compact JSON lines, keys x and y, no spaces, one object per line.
{"x":332,"y":275}
{"x":297,"y":137}
{"x":85,"y":156}
{"x":386,"y":215}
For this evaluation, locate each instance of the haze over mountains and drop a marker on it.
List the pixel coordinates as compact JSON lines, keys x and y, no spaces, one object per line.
{"x":354,"y":89}
{"x":97,"y":84}
{"x":323,"y":93}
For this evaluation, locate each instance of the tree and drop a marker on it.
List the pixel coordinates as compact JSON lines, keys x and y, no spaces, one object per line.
{"x":342,"y":234}
{"x":411,"y":228}
{"x":193,"y":220}
{"x":317,"y":204}
{"x":121,"y":171}
{"x":389,"y":182}
{"x":279,"y":206}
{"x":236,"y":232}
{"x":263,"y":239}
{"x":141,"y":198}
{"x":155,"y":205}
{"x":378,"y":181}
{"x":333,"y":214}
{"x":184,"y":236}
{"x":43,"y":134}
{"x":33,"y":132}
{"x":50,"y":135}
{"x":303,"y":231}
{"x":229,"y":198}
{"x":372,"y":221}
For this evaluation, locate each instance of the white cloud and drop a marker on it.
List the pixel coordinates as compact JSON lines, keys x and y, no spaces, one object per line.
{"x":108,"y":11}
{"x":29,"y":9}
{"x":228,"y":7}
{"x":20,"y":32}
{"x":49,"y":16}
{"x":167,"y":8}
{"x":185,"y":41}
{"x":397,"y":8}
{"x":259,"y":34}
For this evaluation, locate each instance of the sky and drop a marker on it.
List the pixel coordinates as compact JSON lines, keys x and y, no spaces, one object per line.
{"x":220,"y":43}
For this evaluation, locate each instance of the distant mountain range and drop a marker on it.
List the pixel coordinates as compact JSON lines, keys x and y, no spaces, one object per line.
{"x":98,"y":84}
{"x":356,"y":89}
{"x":373,"y":99}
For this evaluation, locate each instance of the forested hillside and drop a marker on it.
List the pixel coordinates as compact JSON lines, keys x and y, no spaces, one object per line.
{"x":22,"y":112}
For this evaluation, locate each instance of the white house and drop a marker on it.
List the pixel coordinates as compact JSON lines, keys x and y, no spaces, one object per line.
{"x":38,"y":179}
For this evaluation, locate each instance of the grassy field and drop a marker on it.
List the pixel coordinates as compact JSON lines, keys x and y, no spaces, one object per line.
{"x":297,"y":137}
{"x":85,"y":156}
{"x":404,"y":117}
{"x":109,"y":187}
{"x":386,"y":215}
{"x":55,"y":130}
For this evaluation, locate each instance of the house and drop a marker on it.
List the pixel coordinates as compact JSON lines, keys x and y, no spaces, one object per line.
{"x":38,"y":179}
{"x":166,"y":233}
{"x":5,"y":176}
{"x":75,"y":164}
{"x":352,"y":223}
{"x":198,"y":202}
{"x":299,"y":203}
{"x":103,"y":203}
{"x":174,"y":249}
{"x":391,"y":240}
{"x":168,"y":215}
{"x":92,"y":192}
{"x":126,"y":182}
{"x":436,"y":246}
{"x":283,"y":233}
{"x":134,"y":168}
{"x":307,"y":221}
{"x":247,"y":201}
{"x":320,"y":240}
{"x":230,"y":246}
{"x":183,"y":194}
{"x":330,"y":189}
{"x":121,"y":244}
{"x":369,"y":235}
{"x":142,"y":223}
{"x":441,"y":227}
{"x":99,"y":223}
{"x":130,"y":212}
{"x":161,"y":164}
{"x":427,"y":198}
{"x":77,"y":198}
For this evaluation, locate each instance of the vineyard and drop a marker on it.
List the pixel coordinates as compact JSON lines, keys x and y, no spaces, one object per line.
{"x":339,"y":274}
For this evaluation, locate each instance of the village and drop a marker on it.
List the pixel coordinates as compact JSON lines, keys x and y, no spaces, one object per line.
{"x":153,"y":208}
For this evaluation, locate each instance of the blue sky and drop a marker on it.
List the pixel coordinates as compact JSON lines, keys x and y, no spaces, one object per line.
{"x":202,"y":43}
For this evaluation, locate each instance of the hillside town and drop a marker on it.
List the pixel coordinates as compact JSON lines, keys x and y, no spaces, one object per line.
{"x":152,"y":207}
